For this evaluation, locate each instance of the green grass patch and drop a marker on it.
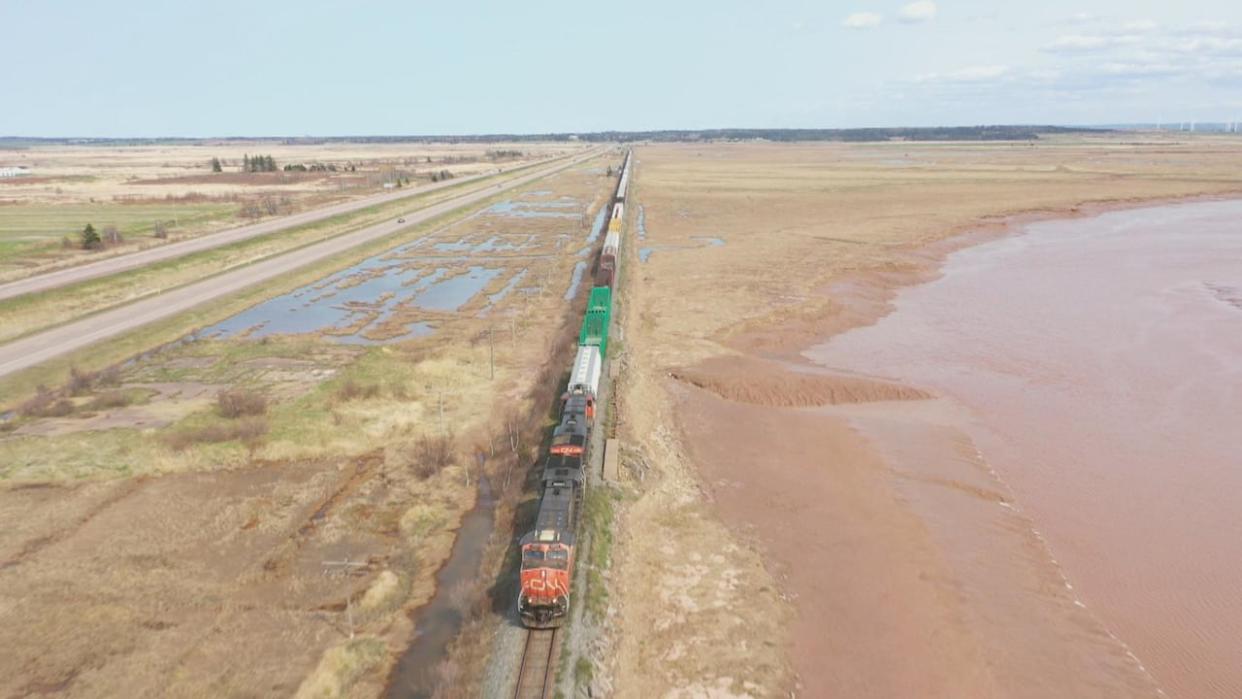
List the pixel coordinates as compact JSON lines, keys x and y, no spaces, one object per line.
{"x":599,"y":511}
{"x":114,"y":453}
{"x":53,"y":221}
{"x":16,"y":248}
{"x":584,"y":672}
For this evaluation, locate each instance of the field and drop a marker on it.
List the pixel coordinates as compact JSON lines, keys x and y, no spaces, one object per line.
{"x":181,"y":525}
{"x":37,"y":225}
{"x":765,"y":547}
{"x":134,"y":187}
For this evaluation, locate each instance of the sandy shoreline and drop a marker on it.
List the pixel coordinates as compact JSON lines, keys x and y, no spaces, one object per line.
{"x":881,"y":583}
{"x":861,"y":298}
{"x":1097,"y":384}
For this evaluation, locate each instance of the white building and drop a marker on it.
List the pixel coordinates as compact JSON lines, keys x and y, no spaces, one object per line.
{"x":13,"y":170}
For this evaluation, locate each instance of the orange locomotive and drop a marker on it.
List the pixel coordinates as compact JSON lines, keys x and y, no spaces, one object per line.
{"x":548,"y":550}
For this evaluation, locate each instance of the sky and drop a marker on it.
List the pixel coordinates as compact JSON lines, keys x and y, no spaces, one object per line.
{"x":372,"y":67}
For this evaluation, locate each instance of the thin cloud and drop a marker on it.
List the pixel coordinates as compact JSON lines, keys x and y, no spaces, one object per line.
{"x":1127,"y":69}
{"x":1209,"y":27}
{"x":1078,"y":42}
{"x":862,"y":20}
{"x":920,"y":11}
{"x":1100,"y":63}
{"x":1150,"y":42}
{"x":969,"y":74}
{"x":1085,"y":43}
{"x":1140,"y":25}
{"x":1209,"y":45}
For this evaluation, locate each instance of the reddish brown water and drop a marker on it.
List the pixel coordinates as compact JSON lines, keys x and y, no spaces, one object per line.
{"x":1096,"y":365}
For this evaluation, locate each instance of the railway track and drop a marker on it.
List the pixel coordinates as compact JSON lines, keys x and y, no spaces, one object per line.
{"x":538,"y":671}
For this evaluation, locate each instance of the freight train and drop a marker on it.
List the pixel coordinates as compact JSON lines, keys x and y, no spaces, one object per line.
{"x":547,"y":560}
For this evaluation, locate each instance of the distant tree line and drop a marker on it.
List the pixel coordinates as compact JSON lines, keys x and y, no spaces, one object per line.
{"x":501,"y":154}
{"x":258,"y":163}
{"x":318,"y":167}
{"x":933,"y":133}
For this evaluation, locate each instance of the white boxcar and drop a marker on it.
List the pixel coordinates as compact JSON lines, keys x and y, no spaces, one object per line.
{"x":584,"y":377}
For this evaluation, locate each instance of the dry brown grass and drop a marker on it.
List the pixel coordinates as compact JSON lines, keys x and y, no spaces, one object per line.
{"x":341,"y":667}
{"x":168,"y":172}
{"x":352,"y":390}
{"x":110,"y":399}
{"x":247,"y":430}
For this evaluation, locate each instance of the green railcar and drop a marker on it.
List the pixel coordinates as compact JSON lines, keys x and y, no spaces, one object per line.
{"x":595,"y":324}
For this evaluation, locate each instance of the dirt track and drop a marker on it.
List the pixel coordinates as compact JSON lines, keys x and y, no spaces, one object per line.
{"x":142,"y":258}
{"x":46,"y":345}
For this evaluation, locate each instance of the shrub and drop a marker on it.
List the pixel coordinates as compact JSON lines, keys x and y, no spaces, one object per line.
{"x":108,"y":377}
{"x":80,"y":382}
{"x":249,"y":430}
{"x":45,"y":403}
{"x":60,"y":408}
{"x":36,"y":403}
{"x":90,"y":238}
{"x":250,"y":209}
{"x":432,"y":455}
{"x":238,"y":402}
